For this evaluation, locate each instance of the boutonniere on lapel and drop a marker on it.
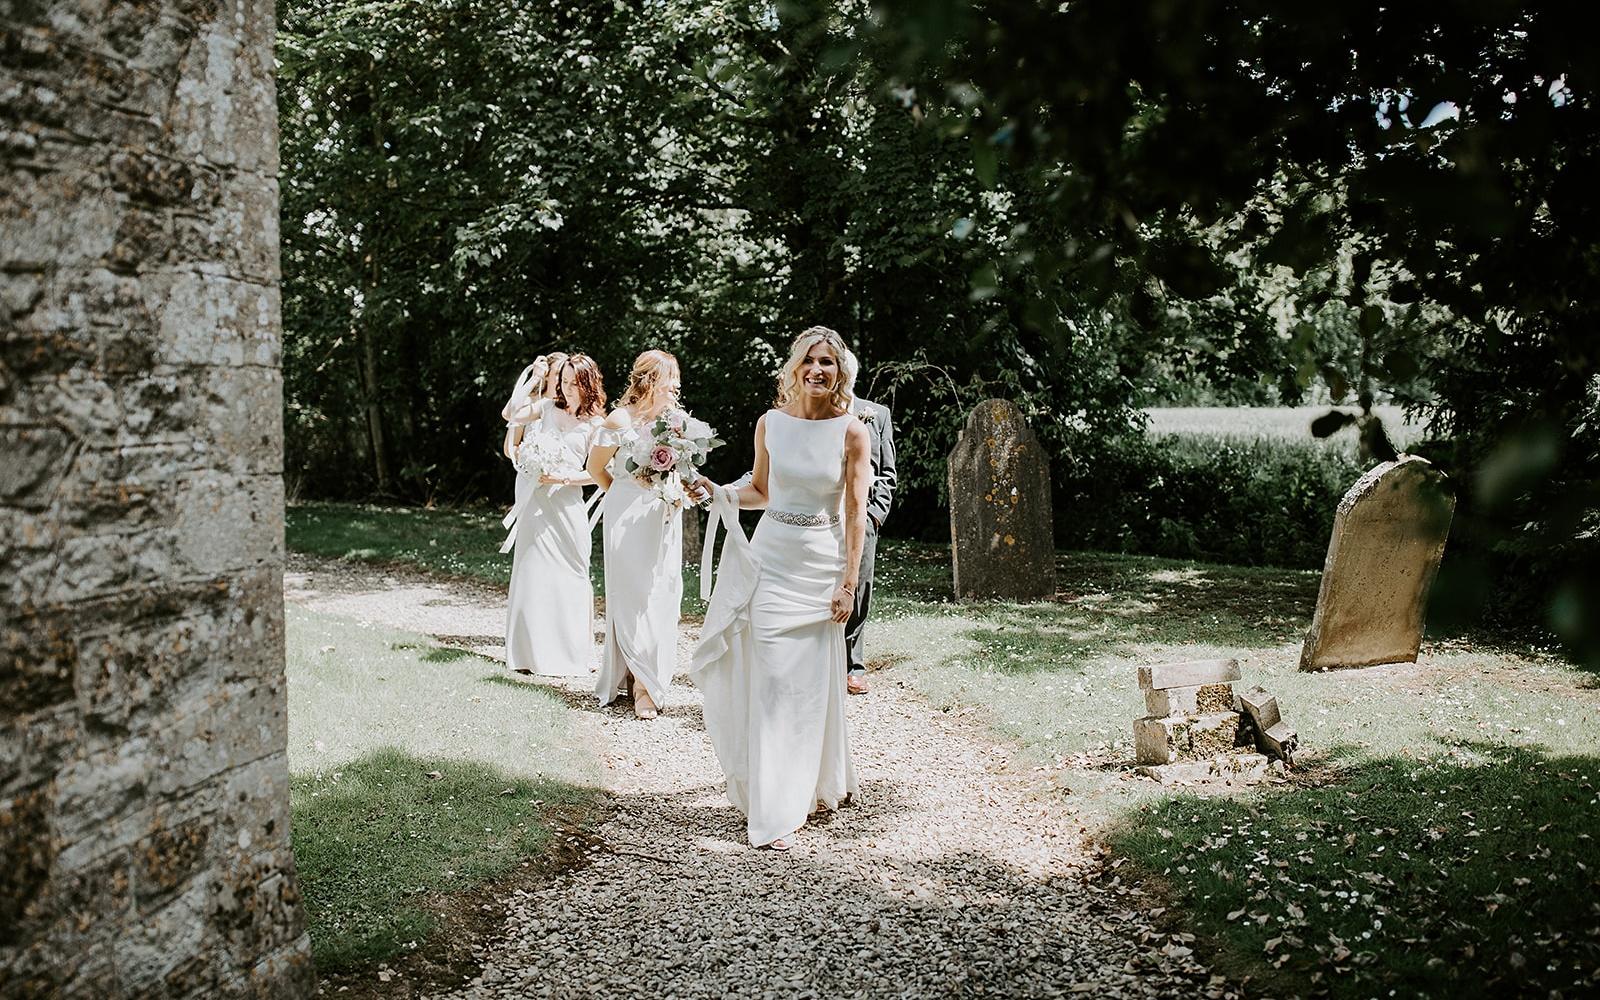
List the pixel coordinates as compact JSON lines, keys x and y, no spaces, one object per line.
{"x":865,"y":415}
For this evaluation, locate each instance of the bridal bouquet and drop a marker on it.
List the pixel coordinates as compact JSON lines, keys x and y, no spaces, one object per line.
{"x":669,"y":453}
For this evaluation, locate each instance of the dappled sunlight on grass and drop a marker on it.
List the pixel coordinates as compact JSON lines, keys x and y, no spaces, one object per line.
{"x":1469,"y":872}
{"x":1058,"y":677}
{"x":414,"y":773}
{"x":1440,"y":813}
{"x":1189,"y":574}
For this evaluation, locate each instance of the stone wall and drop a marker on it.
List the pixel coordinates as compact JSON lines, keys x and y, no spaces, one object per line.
{"x":144,"y":811}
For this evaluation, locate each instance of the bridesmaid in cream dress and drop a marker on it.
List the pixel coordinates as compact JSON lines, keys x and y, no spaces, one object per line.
{"x":643,"y":545}
{"x":773,"y":677}
{"x":537,"y":381}
{"x":550,"y":613}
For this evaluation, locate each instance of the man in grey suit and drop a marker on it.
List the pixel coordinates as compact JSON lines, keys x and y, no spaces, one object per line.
{"x":880,"y":498}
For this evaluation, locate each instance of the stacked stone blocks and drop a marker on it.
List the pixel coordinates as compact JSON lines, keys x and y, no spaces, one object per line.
{"x":1189,"y":710}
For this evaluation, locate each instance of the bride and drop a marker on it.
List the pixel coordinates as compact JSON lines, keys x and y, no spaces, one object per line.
{"x":642,"y":541}
{"x":777,"y":721}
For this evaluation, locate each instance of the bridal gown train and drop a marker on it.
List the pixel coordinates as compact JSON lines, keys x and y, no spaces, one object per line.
{"x":771,"y":662}
{"x":642,"y":540}
{"x":550,"y":612}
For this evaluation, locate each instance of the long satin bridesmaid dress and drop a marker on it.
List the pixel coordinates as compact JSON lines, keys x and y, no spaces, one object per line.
{"x":550,"y":614}
{"x":642,"y":540}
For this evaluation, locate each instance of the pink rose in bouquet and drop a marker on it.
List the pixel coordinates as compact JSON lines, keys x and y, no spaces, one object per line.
{"x":667,"y":455}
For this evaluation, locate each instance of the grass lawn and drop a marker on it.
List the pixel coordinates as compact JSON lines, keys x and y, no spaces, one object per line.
{"x":1281,"y":423}
{"x":416,"y":774}
{"x":461,"y":543}
{"x":1434,"y":840}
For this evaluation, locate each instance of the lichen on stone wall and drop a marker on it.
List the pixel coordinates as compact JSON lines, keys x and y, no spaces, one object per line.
{"x":143,"y":797}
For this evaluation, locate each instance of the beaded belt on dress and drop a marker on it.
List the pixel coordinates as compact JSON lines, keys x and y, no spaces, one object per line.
{"x":804,"y":520}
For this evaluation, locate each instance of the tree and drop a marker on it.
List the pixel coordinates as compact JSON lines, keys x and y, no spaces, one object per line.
{"x":1427,"y":168}
{"x":467,"y":184}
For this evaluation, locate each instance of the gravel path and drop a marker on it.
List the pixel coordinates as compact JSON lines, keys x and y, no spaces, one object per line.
{"x":948,"y":877}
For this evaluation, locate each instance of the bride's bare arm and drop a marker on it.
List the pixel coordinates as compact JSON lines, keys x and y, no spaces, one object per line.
{"x":857,"y":483}
{"x":753,"y":495}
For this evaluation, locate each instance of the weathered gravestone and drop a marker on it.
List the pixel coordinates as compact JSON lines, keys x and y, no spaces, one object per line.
{"x":1388,"y":538}
{"x":144,"y":791}
{"x":1002,"y":537}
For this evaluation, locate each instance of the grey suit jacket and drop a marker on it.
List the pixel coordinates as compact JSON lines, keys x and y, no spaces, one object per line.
{"x":880,"y":427}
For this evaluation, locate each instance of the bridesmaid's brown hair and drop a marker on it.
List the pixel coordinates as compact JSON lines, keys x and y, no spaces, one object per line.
{"x":591,"y":388}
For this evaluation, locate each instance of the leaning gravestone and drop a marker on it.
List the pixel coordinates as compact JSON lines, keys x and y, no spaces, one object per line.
{"x":1002,"y":538}
{"x":1388,"y":538}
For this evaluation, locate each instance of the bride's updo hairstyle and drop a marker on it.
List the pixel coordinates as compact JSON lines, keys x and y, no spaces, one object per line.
{"x":652,"y":372}
{"x":591,"y":388}
{"x":844,"y":390}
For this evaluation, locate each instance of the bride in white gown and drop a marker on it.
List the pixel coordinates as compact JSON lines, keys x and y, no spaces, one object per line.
{"x":643,"y":544}
{"x":771,"y":662}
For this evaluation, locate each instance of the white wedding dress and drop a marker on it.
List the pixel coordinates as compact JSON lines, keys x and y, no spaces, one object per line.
{"x":771,"y":661}
{"x":550,"y":613}
{"x":643,"y":545}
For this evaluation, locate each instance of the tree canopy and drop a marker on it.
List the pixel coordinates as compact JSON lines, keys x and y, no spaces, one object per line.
{"x":1078,"y":206}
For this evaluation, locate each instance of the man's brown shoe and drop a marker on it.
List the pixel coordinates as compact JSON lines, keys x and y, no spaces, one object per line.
{"x":855,"y":684}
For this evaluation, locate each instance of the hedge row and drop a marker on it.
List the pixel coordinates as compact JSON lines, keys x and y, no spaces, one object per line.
{"x":1257,"y":502}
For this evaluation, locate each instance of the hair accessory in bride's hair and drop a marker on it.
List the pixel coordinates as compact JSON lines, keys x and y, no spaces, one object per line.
{"x":789,"y":378}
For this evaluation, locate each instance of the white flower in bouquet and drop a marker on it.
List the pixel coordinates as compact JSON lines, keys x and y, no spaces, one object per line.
{"x":669,"y":454}
{"x":541,"y":454}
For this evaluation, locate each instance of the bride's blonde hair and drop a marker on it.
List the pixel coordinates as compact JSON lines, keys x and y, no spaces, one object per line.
{"x":844,"y":390}
{"x":652,"y":370}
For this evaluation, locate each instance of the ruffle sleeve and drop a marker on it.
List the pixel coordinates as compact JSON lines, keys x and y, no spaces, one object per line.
{"x":607,"y":437}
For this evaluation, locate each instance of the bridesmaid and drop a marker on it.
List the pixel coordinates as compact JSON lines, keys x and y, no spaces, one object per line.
{"x":643,"y":546}
{"x":537,"y":381}
{"x":536,"y":384}
{"x":550,"y":619}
